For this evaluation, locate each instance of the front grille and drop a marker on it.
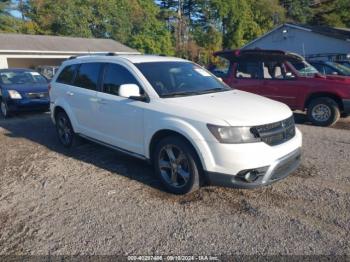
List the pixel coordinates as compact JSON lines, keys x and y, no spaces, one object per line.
{"x":39,"y":95}
{"x":276,"y":133}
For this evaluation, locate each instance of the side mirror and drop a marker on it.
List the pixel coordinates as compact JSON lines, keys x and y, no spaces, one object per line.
{"x":129,"y":90}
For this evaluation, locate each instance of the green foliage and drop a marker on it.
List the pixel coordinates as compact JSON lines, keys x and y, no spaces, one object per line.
{"x":298,"y":10}
{"x":133,"y":22}
{"x":332,"y":13}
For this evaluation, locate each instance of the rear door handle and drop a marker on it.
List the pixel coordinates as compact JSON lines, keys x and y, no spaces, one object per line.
{"x":102,"y":101}
{"x":98,"y":100}
{"x":94,"y":99}
{"x":69,"y":93}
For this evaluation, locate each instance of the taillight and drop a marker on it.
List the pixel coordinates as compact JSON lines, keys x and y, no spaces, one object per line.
{"x":49,"y":87}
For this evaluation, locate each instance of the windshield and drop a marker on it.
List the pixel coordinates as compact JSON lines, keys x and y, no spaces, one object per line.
{"x":171,"y":79}
{"x":21,"y":77}
{"x":343,"y":69}
{"x":304,"y":68}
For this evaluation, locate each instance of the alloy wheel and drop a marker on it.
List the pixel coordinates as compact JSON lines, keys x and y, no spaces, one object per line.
{"x":64,"y":129}
{"x":321,"y":112}
{"x":174,"y":166}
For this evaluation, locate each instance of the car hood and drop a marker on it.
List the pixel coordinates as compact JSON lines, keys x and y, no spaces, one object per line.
{"x":237,"y":108}
{"x":342,"y":79}
{"x":28,"y":88}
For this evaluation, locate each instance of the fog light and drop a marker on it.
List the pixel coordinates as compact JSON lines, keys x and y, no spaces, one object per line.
{"x":251,"y":176}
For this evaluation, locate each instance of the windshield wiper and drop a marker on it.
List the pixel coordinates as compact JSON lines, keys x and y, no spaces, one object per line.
{"x":175,"y":94}
{"x":215,"y":90}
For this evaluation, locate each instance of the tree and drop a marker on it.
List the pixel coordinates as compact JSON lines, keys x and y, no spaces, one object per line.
{"x":332,"y":13}
{"x":298,"y":11}
{"x":132,"y":22}
{"x":7,"y":22}
{"x":150,"y":35}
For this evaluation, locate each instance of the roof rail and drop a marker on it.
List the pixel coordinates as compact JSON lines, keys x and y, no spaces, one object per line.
{"x":93,"y":54}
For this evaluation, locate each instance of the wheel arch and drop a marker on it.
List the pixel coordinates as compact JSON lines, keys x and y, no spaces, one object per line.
{"x":333,"y":96}
{"x":161,"y":134}
{"x":61,"y":108}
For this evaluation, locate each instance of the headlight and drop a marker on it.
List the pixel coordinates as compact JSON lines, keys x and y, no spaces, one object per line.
{"x":233,"y":135}
{"x":14,"y":94}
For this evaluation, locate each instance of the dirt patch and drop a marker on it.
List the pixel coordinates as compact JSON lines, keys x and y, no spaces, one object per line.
{"x":92,"y":200}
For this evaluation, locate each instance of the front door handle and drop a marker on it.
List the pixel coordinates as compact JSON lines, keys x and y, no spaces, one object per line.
{"x":69,"y":93}
{"x":94,"y":99}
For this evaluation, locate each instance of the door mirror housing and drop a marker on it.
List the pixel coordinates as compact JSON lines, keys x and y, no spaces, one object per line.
{"x":129,"y":90}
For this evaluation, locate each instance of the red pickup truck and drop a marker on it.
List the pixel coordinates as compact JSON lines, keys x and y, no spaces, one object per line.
{"x":288,"y":78}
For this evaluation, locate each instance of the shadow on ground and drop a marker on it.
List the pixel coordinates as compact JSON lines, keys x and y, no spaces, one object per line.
{"x":39,"y":129}
{"x":301,"y":119}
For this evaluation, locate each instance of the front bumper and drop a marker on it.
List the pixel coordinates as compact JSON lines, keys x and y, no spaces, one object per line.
{"x":346,"y":106}
{"x":278,"y":170}
{"x":28,"y":104}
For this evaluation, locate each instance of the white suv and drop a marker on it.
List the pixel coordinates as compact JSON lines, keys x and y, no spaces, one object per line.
{"x":191,"y":126}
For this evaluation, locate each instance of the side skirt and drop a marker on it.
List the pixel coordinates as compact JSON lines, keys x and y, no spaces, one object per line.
{"x":115,"y":148}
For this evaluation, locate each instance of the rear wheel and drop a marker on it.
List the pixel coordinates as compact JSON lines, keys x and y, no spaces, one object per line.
{"x":177,"y":165}
{"x":323,"y":111}
{"x":64,"y":129}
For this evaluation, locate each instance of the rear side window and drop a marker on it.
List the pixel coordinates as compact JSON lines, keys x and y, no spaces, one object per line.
{"x":67,"y":74}
{"x":116,"y":75}
{"x":87,"y":75}
{"x":252,"y":70}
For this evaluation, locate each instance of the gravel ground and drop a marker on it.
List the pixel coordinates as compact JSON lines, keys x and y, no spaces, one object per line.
{"x":92,"y":200}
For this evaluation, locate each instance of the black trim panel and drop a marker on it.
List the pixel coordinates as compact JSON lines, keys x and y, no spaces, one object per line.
{"x":346,"y":105}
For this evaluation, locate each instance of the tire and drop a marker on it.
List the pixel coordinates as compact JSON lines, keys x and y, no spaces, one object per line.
{"x":65,"y":131}
{"x":180,"y":170}
{"x":323,"y":111}
{"x":4,"y":109}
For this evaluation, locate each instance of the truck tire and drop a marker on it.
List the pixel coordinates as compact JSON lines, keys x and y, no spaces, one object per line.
{"x":323,"y":111}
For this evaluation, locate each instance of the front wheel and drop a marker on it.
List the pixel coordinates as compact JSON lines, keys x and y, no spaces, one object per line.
{"x":4,"y":109}
{"x":323,"y":111}
{"x":177,"y":165}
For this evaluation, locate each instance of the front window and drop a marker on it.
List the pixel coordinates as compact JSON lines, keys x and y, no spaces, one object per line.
{"x":304,"y":68}
{"x":21,"y":77}
{"x":171,"y":79}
